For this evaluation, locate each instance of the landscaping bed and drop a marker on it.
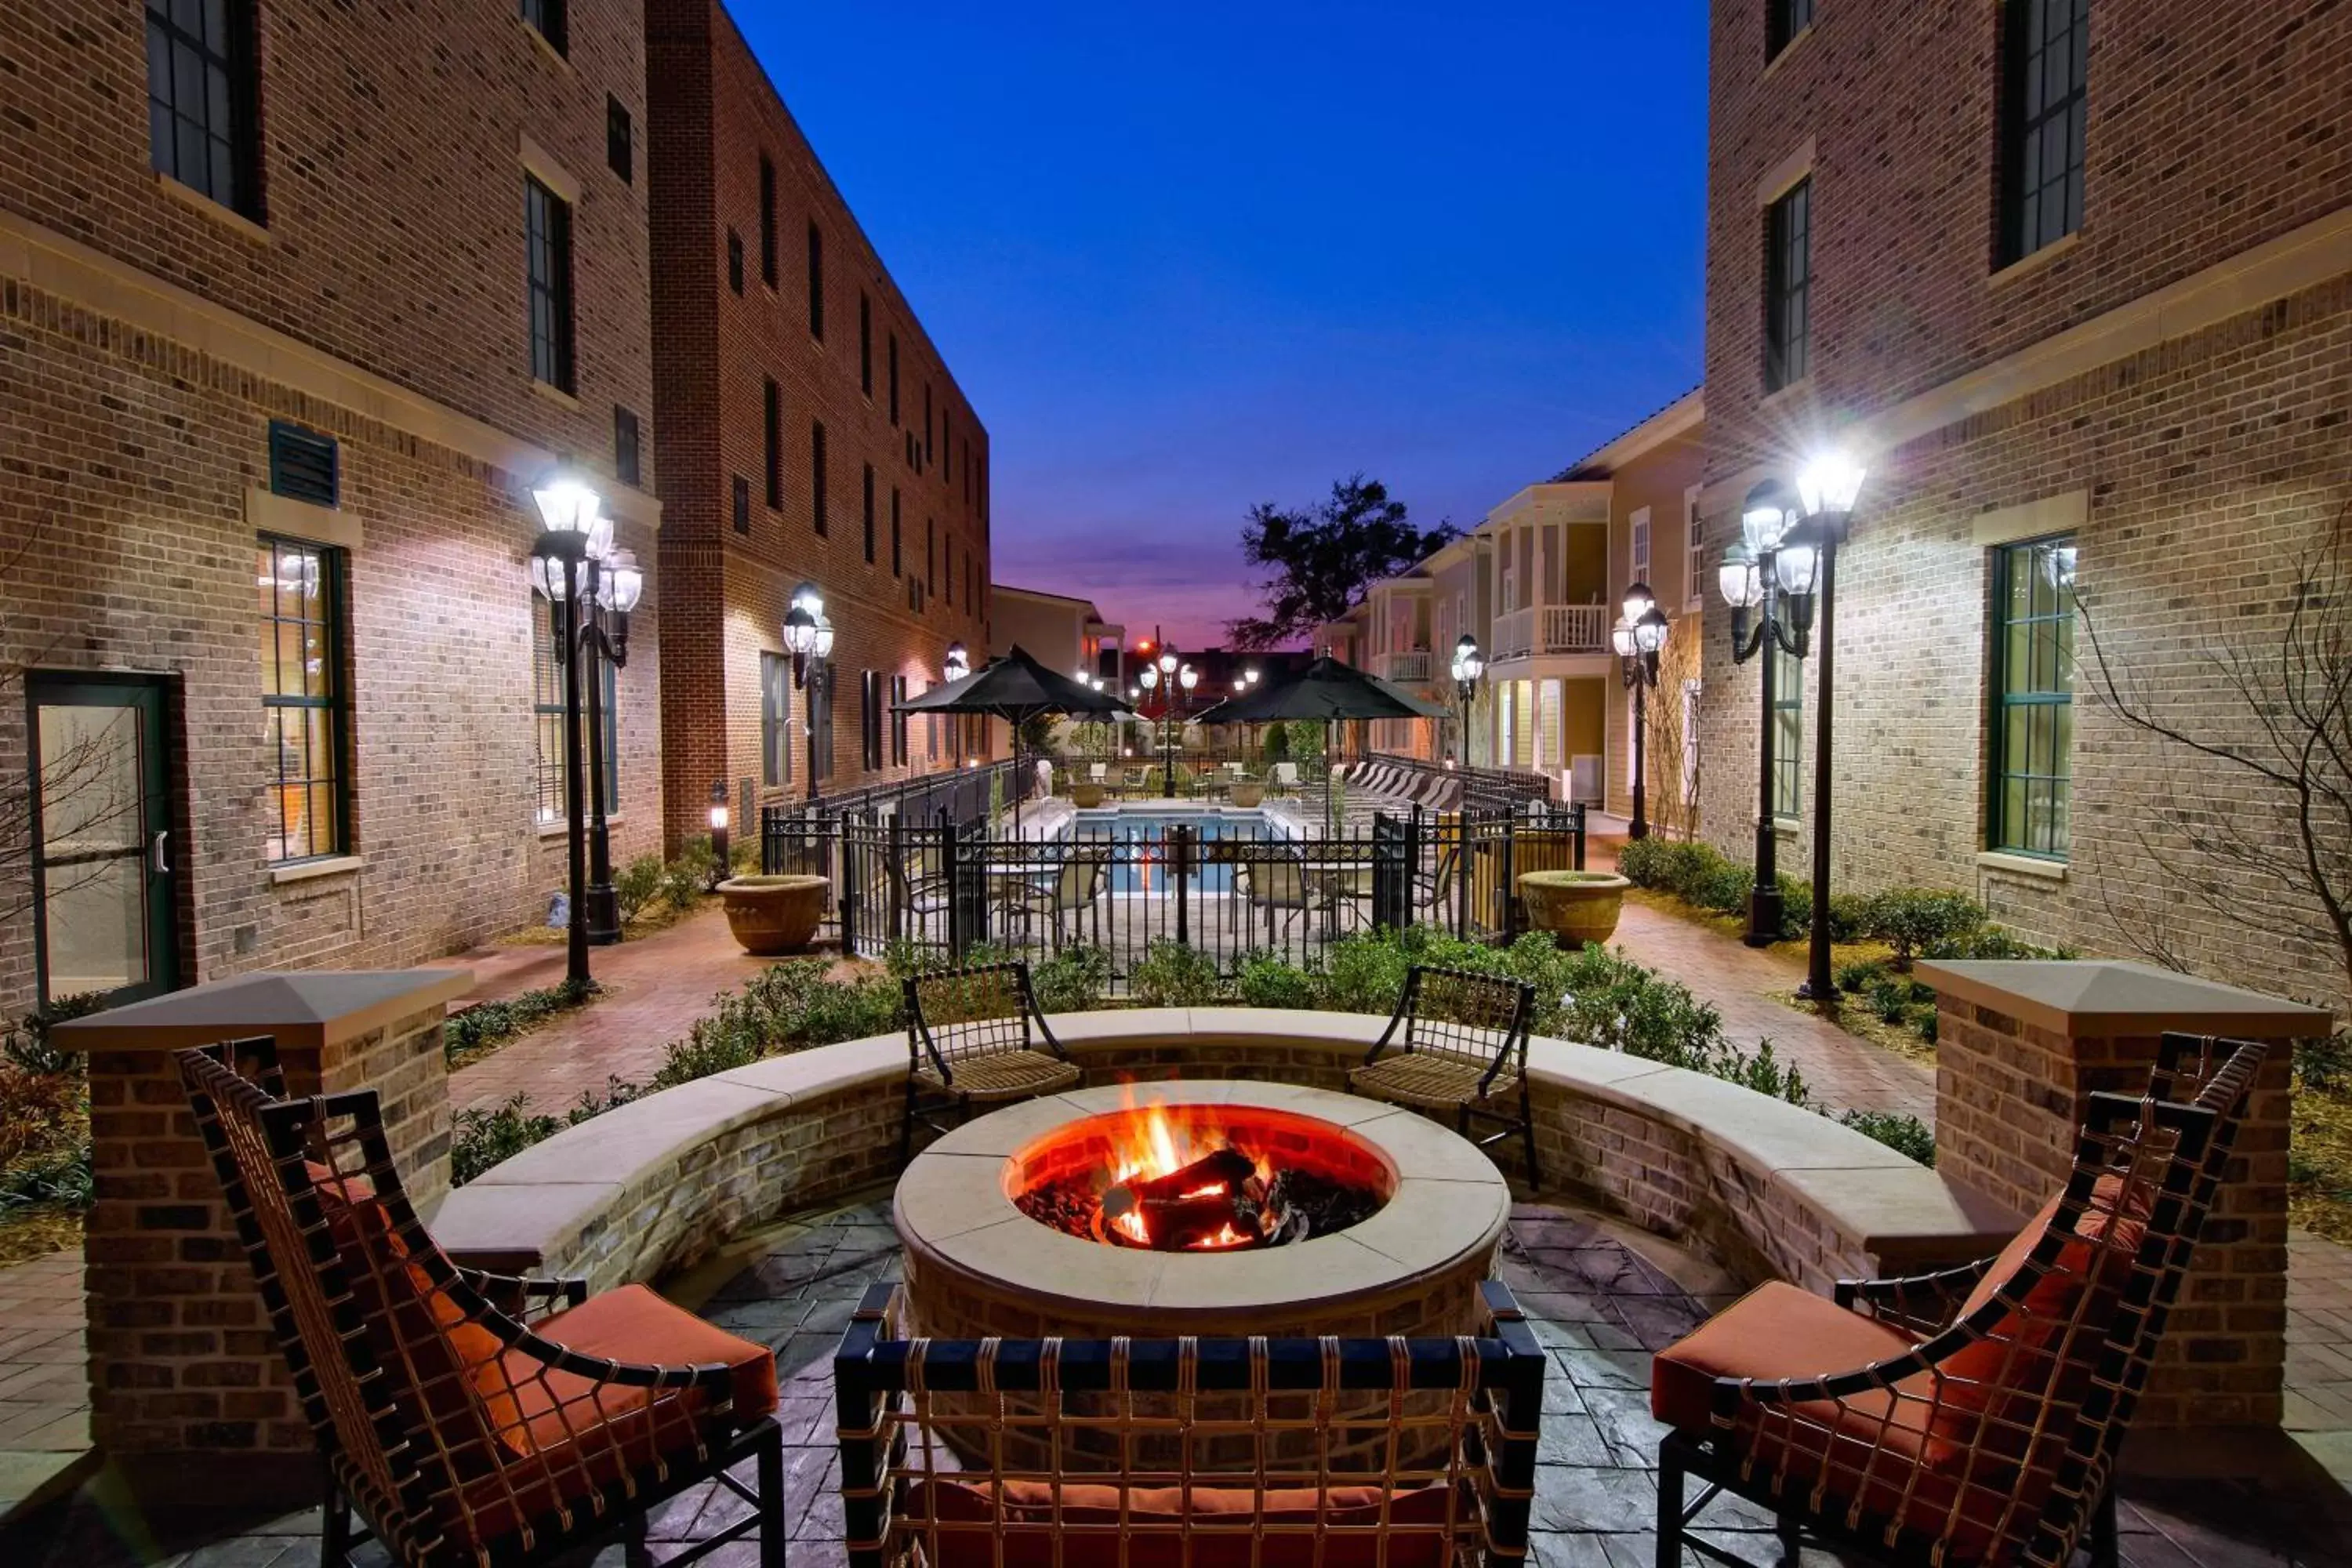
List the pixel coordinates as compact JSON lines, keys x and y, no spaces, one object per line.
{"x":45,"y":1172}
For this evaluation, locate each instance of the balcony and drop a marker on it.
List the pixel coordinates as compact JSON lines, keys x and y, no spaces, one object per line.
{"x":1552,"y":628}
{"x":1409,"y":666}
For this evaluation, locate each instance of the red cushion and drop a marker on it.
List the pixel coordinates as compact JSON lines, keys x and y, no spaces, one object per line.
{"x":535,"y":1405}
{"x":1775,"y":1330}
{"x":1226,"y":1516}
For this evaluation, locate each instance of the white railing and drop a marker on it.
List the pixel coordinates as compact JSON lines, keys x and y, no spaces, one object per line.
{"x":1552,"y":629}
{"x":1409,"y":666}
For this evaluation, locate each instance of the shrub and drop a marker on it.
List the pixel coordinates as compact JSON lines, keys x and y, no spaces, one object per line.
{"x":1890,"y":998}
{"x":637,"y":885}
{"x":1265,"y":980}
{"x":1796,"y":907}
{"x":35,"y":1108}
{"x":839,"y":1010}
{"x":2323,"y":1064}
{"x":1858,"y":974}
{"x":1849,"y":912}
{"x":1642,"y":861}
{"x":1909,"y":919}
{"x":482,"y":1139}
{"x":1899,"y":1131}
{"x":63,"y":1178}
{"x":1989,"y":942}
{"x":1172,"y":974}
{"x":684,"y":880}
{"x":1073,"y":980}
{"x":27,"y":1042}
{"x":488,"y":1023}
{"x":1277,"y":744}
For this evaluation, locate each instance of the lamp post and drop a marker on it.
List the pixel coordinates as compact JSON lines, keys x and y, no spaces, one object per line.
{"x":1469,"y":664}
{"x":1772,"y":573}
{"x":1638,"y":639}
{"x":1827,"y":489}
{"x":591,"y":589}
{"x":721,"y":848}
{"x":808,"y":638}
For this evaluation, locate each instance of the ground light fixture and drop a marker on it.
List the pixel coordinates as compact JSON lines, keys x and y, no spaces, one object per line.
{"x":1638,"y":639}
{"x":808,"y":638}
{"x":591,"y":588}
{"x":1469,"y":667}
{"x":720,"y":844}
{"x":957,"y":664}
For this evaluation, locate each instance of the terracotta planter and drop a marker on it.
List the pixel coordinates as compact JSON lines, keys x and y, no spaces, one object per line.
{"x":1085,"y":796}
{"x":1576,"y":907}
{"x":1248,"y":793}
{"x":772,"y":915}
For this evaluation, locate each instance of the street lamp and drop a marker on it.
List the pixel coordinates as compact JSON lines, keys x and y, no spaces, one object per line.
{"x":1469,"y":664}
{"x":1755,"y":577}
{"x":957,"y":664}
{"x":591,"y":589}
{"x":808,"y":638}
{"x":720,"y":844}
{"x":1149,"y":676}
{"x":1639,"y":639}
{"x":1827,"y":489}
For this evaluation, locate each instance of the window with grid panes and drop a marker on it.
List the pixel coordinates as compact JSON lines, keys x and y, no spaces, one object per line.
{"x":620,"y":141}
{"x":775,"y":719}
{"x":1788,"y":288}
{"x":1783,"y":20}
{"x":547,"y":232}
{"x":734,"y":261}
{"x":2032,"y":682}
{"x":202,"y":121}
{"x":546,"y":715}
{"x":1788,"y":728}
{"x":550,"y":20}
{"x":2046,"y":49}
{"x":301,"y":636}
{"x":627,"y":462}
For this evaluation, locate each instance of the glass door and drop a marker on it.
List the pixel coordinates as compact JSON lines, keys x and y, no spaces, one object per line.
{"x":103,"y":856}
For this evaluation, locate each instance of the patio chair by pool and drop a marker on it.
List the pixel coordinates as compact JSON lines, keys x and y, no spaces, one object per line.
{"x":1073,"y":888}
{"x":468,"y":1419}
{"x":1895,"y":1423}
{"x":920,"y":884}
{"x":1432,"y":890}
{"x":1283,"y":776}
{"x":974,"y":1036}
{"x":1458,"y":1042}
{"x":1274,"y":881}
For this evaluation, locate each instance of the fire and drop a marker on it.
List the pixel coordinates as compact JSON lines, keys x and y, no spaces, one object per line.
{"x":1150,"y":1143}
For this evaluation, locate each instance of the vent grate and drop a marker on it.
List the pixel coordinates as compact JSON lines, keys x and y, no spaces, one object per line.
{"x":304,"y":465}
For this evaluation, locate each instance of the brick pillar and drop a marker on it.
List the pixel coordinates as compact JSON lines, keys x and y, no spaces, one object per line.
{"x":188,"y":1388}
{"x":2019,"y":1047}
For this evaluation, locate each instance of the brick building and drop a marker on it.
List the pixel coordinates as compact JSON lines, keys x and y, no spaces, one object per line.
{"x":2075,"y":278}
{"x":808,"y":431}
{"x":310,"y":305}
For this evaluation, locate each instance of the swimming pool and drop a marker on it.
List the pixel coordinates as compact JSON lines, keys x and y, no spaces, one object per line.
{"x":1139,"y":863}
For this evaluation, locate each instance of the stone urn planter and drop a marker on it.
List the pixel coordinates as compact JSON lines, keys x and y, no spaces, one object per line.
{"x":1576,"y":907}
{"x":1085,"y":796}
{"x":772,"y":915}
{"x":1248,"y":793}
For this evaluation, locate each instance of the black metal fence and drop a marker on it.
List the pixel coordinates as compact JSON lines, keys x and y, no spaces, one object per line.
{"x":1225,"y":885}
{"x":1488,"y":789}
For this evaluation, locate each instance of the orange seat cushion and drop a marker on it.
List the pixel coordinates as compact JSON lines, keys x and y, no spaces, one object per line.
{"x":1775,"y":1330}
{"x":1090,"y":1514}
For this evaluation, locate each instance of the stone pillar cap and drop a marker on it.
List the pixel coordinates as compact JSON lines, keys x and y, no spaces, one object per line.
{"x":313,"y":1009}
{"x":2104,"y":998}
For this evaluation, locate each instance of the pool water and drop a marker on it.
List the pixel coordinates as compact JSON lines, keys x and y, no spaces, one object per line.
{"x":1140,"y":861}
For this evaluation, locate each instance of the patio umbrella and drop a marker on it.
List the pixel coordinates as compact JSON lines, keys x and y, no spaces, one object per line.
{"x":1014,"y":688}
{"x":1323,"y":691}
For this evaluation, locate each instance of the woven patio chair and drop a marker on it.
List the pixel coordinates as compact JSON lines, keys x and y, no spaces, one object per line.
{"x":1457,"y":1042}
{"x":1892,"y":1422}
{"x":1073,"y":888}
{"x":974,"y":1036}
{"x":1192,"y":1453}
{"x":468,"y":1419}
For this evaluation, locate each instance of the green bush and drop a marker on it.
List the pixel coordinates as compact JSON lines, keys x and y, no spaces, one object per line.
{"x":2323,"y":1064}
{"x":1277,"y":744}
{"x":684,"y":880}
{"x":1172,"y":974}
{"x":1266,"y":980}
{"x":1908,"y":919}
{"x":27,"y":1045}
{"x":1858,"y":974}
{"x":1642,"y":861}
{"x":489,"y":1023}
{"x":1989,"y":942}
{"x":1073,"y":980}
{"x":481,"y":1139}
{"x":1796,"y":907}
{"x":1899,"y":1131}
{"x":1848,"y":915}
{"x":1890,"y":998}
{"x":639,"y":883}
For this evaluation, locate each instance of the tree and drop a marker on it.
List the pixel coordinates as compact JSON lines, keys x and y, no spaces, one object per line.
{"x":1324,"y":558}
{"x":2275,"y":713}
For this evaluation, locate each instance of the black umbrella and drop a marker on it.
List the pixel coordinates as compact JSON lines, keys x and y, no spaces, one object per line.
{"x":1327,"y":691}
{"x":1014,"y":688}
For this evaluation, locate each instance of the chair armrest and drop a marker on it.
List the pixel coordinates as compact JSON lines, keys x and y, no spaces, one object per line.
{"x":1922,"y":1303}
{"x":528,"y":1301}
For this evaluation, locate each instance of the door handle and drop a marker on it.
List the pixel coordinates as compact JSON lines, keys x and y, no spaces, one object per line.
{"x":156,"y":863}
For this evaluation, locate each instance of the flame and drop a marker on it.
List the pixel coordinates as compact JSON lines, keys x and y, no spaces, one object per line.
{"x":1150,"y":1142}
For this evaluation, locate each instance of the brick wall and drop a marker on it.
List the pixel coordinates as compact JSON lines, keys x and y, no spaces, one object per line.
{"x":716,"y":114}
{"x":131,"y":449}
{"x":2206,"y":463}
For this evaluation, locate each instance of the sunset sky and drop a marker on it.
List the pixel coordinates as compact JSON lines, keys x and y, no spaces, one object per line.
{"x":1186,"y":259}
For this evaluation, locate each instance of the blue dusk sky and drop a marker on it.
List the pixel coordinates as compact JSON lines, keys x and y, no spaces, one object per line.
{"x":1187,"y":259}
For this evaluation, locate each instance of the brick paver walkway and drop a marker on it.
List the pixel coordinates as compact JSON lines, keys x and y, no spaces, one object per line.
{"x":44,"y":1381}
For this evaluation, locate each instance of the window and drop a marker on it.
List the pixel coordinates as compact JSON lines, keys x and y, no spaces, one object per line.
{"x":1783,"y":20}
{"x":202,"y":127}
{"x":816,"y":477}
{"x":898,"y":557}
{"x":734,"y":261}
{"x":547,"y":229}
{"x":967,"y":470}
{"x":627,"y":462}
{"x":1787,"y":280}
{"x":869,"y":514}
{"x":897,"y":720}
{"x":1691,"y":690}
{"x":950,"y":563}
{"x":773,"y":433}
{"x":816,"y":281}
{"x":1642,"y":544}
{"x":619,"y":142}
{"x":2033,"y":689}
{"x":866,"y":345}
{"x":930,"y":555}
{"x":2046,"y":49}
{"x":302,"y":696}
{"x":547,"y":18}
{"x":870,"y":722}
{"x":927,"y":421}
{"x":767,"y":221}
{"x":1788,"y":728}
{"x":547,"y":717}
{"x":894,"y":380}
{"x":742,"y":504}
{"x":775,"y":719}
{"x":304,"y":464}
{"x":947,"y":444}
{"x":1694,"y":566}
{"x":818,"y":711}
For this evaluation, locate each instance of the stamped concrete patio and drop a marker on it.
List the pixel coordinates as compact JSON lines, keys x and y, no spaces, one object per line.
{"x":1603,"y":1299}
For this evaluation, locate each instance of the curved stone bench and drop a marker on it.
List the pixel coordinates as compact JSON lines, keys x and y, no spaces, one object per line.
{"x":1765,"y":1188}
